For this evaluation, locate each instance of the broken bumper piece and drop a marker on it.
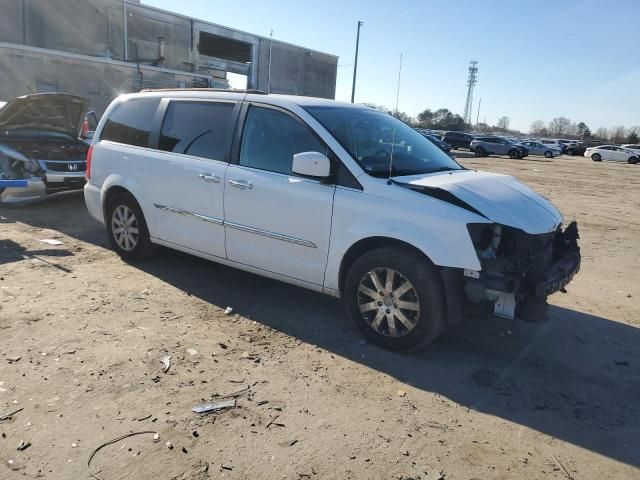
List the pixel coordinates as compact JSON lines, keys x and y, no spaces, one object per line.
{"x":21,"y":190}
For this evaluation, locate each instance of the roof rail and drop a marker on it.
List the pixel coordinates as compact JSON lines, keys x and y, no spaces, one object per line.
{"x":228,"y":90}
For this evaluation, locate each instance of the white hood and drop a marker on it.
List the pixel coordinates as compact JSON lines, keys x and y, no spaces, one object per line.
{"x":500,"y":198}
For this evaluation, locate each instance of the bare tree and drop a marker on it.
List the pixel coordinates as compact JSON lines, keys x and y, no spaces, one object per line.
{"x":602,"y":133}
{"x":618,"y":134}
{"x":559,"y":126}
{"x":503,"y":122}
{"x":537,"y":127}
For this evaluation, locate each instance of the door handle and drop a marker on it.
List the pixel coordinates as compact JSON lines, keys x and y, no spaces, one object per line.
{"x":209,"y":178}
{"x":242,"y":184}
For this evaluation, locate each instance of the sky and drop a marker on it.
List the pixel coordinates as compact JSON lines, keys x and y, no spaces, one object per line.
{"x":537,"y":59}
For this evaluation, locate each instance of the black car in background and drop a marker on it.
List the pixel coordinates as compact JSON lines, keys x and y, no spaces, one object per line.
{"x":457,"y":139}
{"x":446,"y":148}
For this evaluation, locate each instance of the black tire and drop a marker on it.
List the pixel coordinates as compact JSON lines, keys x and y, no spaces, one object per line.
{"x":571,"y":152}
{"x":548,"y":154}
{"x":633,"y":160}
{"x":596,"y":157}
{"x":479,"y":151}
{"x":514,"y":153}
{"x":428,"y":292}
{"x":142,"y":248}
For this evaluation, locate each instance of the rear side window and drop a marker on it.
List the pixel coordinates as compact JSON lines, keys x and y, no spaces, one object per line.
{"x":131,"y":121}
{"x":201,"y":129}
{"x":271,"y":138}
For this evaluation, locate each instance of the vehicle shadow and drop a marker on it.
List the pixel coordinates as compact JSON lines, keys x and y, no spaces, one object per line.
{"x":574,"y":377}
{"x":11,"y":251}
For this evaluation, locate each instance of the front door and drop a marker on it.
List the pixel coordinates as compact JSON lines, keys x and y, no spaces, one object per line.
{"x":274,"y":220}
{"x":185,"y":179}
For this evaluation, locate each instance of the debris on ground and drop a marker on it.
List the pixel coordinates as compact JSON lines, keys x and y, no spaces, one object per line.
{"x":228,"y":311}
{"x":435,"y":475}
{"x":192,"y":351}
{"x":402,"y":393}
{"x":563,"y":468}
{"x":23,"y":445}
{"x":8,"y":416}
{"x":116,"y":440}
{"x":13,"y":358}
{"x":51,"y":241}
{"x":213,"y":407}
{"x":166,"y":363}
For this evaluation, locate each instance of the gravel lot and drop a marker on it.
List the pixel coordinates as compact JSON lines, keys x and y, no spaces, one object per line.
{"x":82,"y":335}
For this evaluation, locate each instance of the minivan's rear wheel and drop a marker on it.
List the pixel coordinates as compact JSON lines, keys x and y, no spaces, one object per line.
{"x":548,"y":154}
{"x":479,"y":151}
{"x":633,"y":160}
{"x":514,"y":154}
{"x":396,"y":298}
{"x":596,"y":157}
{"x":127,"y":228}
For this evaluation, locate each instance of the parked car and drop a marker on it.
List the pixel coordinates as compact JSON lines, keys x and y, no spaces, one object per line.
{"x":445,"y":147}
{"x":612,"y":153}
{"x":489,"y":145}
{"x":576,"y":149}
{"x":337,"y":198}
{"x":553,"y":144}
{"x":457,"y":139}
{"x":40,"y":152}
{"x":537,"y":148}
{"x":634,"y":148}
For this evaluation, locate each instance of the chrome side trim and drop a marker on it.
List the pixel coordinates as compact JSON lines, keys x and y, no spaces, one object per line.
{"x":204,"y":218}
{"x":237,"y":226}
{"x":267,"y":233}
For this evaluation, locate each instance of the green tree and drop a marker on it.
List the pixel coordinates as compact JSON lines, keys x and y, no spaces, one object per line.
{"x":633,"y":137}
{"x":583,"y":130}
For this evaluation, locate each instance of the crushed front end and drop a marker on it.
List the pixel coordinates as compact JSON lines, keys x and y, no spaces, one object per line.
{"x":520,"y":270}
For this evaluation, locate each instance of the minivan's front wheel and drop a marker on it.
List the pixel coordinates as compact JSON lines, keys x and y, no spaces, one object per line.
{"x":514,"y":154}
{"x":127,"y":228}
{"x":396,"y":298}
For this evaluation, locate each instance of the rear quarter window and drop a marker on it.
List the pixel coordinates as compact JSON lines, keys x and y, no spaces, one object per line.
{"x":131,"y":122}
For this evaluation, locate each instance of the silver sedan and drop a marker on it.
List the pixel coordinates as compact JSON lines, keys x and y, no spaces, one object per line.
{"x":537,"y":148}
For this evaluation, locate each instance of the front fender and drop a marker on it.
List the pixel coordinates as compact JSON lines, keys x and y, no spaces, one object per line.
{"x":435,"y":228}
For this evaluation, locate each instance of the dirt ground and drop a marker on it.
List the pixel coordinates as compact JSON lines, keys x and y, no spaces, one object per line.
{"x":82,"y":335}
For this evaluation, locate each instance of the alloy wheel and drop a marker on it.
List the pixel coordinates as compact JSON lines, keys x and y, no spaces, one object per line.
{"x":388,"y":302}
{"x":124,"y":226}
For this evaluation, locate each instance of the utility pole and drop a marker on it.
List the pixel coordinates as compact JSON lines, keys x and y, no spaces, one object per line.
{"x":478,"y":114}
{"x":355,"y":64}
{"x":269,"y":71}
{"x":471,"y":82}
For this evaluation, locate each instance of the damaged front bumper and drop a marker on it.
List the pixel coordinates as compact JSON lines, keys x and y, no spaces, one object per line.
{"x":22,"y":190}
{"x":520,"y":270}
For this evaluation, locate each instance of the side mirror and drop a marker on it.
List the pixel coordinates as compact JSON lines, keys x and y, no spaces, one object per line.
{"x":311,"y":164}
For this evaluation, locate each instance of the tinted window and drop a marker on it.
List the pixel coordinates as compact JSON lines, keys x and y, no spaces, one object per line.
{"x":201,"y":129}
{"x":131,"y":122}
{"x":271,"y":138}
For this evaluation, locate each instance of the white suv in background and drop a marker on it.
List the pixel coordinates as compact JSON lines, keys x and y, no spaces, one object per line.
{"x":330,"y":196}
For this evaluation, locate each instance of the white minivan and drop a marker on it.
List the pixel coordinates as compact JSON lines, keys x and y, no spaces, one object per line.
{"x":330,"y":196}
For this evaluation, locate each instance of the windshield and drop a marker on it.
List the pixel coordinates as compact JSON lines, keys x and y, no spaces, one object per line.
{"x":373,"y":138}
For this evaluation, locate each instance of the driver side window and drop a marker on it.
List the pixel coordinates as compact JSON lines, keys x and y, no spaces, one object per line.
{"x":271,"y":138}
